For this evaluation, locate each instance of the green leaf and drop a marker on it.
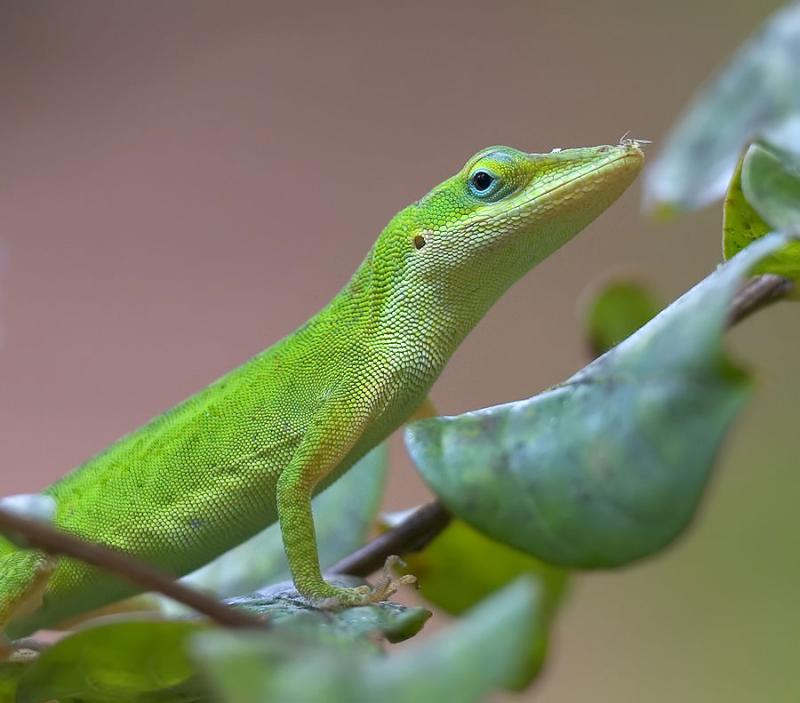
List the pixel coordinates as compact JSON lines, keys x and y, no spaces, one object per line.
{"x":764,"y":195}
{"x":343,"y":515}
{"x":128,"y":662}
{"x":482,"y":652}
{"x":771,"y":182}
{"x":146,"y":661}
{"x":489,"y":648}
{"x":758,"y":88}
{"x":609,"y":466}
{"x":462,"y":567}
{"x":616,"y":312}
{"x":741,"y":224}
{"x":254,"y":668}
{"x":10,"y":673}
{"x":285,"y":608}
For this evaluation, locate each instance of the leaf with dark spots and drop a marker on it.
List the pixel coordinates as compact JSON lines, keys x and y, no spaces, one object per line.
{"x":147,"y":661}
{"x":483,"y":651}
{"x":764,"y":195}
{"x":609,"y":466}
{"x":285,"y":609}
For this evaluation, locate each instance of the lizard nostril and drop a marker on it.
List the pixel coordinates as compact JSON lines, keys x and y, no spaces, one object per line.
{"x":419,"y":241}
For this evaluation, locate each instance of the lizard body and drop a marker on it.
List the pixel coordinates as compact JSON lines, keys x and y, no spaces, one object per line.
{"x":257,"y":444}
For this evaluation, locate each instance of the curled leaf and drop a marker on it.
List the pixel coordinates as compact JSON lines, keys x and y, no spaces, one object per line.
{"x":741,"y":224}
{"x":461,"y":567}
{"x":609,"y":466}
{"x":764,"y":195}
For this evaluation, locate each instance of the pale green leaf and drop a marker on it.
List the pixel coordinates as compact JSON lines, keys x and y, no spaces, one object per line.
{"x":482,"y":652}
{"x":609,"y":466}
{"x":461,"y":567}
{"x":285,"y":608}
{"x":128,"y":662}
{"x":756,"y":90}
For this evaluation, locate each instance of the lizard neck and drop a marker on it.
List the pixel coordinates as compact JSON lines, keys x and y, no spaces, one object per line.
{"x":418,"y":323}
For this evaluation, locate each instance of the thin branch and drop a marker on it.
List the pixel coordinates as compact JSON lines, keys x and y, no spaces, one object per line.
{"x":424,"y":524}
{"x":413,"y":534}
{"x":757,"y":293}
{"x":42,"y":536}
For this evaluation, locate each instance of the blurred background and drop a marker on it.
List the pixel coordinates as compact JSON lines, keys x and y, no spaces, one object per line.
{"x":185,"y":182}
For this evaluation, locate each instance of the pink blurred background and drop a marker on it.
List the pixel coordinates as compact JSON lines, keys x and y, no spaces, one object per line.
{"x":185,"y":182}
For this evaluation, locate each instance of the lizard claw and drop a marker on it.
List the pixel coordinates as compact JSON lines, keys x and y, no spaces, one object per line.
{"x":387,"y":585}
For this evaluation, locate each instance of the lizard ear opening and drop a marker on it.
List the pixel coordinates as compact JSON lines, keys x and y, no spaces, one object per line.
{"x":419,"y":241}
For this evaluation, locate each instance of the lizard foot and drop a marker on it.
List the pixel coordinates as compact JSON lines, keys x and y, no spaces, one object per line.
{"x":385,"y":587}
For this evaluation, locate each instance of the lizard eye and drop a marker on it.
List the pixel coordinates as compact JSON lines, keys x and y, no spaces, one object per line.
{"x":481,"y":181}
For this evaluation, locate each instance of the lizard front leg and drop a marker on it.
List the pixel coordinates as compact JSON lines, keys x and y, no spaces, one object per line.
{"x":327,"y":442}
{"x":294,"y":495}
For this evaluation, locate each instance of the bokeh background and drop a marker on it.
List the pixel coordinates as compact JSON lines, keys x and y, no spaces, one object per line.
{"x":182,"y":183}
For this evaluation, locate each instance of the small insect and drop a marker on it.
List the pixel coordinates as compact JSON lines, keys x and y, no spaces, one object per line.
{"x":624,"y":140}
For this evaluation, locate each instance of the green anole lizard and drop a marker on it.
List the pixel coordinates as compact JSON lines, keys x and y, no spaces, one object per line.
{"x":257,"y":444}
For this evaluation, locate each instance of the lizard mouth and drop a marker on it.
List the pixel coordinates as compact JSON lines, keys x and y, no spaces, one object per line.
{"x":622,"y":164}
{"x":632,"y":155}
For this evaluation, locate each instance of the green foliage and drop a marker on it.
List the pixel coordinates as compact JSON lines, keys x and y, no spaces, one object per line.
{"x":94,"y":666}
{"x":755,"y":101}
{"x":764,"y":195}
{"x":284,"y":607}
{"x":756,"y":91}
{"x":601,"y":470}
{"x":485,"y":650}
{"x":607,"y":467}
{"x":771,"y":182}
{"x":147,"y":660}
{"x":616,"y":312}
{"x":741,"y":224}
{"x":462,"y":566}
{"x":10,"y":673}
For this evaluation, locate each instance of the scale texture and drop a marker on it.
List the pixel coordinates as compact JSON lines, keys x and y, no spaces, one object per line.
{"x":257,"y":444}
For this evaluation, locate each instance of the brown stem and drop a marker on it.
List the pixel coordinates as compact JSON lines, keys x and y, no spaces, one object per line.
{"x":757,"y":293}
{"x":42,"y":536}
{"x":426,"y":522}
{"x":413,"y":534}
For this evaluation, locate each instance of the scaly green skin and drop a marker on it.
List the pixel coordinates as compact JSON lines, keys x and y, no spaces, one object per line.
{"x":257,"y":444}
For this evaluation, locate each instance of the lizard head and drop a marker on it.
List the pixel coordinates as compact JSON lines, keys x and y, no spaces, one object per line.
{"x":476,"y":233}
